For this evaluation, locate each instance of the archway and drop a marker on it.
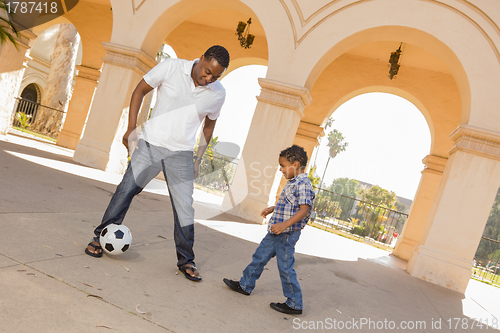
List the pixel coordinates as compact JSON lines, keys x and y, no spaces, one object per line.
{"x":200,"y":31}
{"x":387,"y":138}
{"x":27,"y":106}
{"x":423,"y":79}
{"x":236,"y":115}
{"x":32,"y":93}
{"x":93,"y":21}
{"x":189,"y":28}
{"x":434,"y":80}
{"x":367,"y":190}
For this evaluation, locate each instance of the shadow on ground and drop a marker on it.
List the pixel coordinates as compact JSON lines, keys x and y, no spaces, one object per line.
{"x":48,"y":284}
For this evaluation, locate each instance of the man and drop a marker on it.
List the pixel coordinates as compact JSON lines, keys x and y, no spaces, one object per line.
{"x":188,"y":94}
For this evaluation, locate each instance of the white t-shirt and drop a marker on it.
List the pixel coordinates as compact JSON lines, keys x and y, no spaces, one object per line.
{"x":180,"y":106}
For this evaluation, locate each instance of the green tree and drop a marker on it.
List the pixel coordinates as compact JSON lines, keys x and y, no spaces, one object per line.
{"x":377,"y":213}
{"x":324,"y":204}
{"x":486,"y":249}
{"x":379,"y":196}
{"x":492,"y":228}
{"x":215,"y":168}
{"x":8,"y":32}
{"x":401,"y":207}
{"x":336,"y":144}
{"x":344,"y":186}
{"x":162,"y":55}
{"x":329,"y":123}
{"x":347,"y":189}
{"x":312,"y":176}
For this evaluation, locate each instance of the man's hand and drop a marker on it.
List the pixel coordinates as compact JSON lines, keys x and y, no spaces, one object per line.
{"x":130,"y":139}
{"x":267,"y":211}
{"x":196,"y":168}
{"x":278,"y":228}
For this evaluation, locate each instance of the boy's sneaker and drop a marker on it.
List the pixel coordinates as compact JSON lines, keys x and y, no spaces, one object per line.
{"x":235,"y":285}
{"x":283,"y":307}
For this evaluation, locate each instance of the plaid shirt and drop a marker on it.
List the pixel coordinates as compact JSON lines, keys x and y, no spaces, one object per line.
{"x":298,"y":191}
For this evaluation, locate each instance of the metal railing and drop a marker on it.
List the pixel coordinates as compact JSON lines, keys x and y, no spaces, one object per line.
{"x":487,"y":261}
{"x":373,"y":222}
{"x":37,"y":118}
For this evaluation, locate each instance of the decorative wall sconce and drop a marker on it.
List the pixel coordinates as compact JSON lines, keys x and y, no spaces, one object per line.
{"x":394,"y":63}
{"x":244,"y":36}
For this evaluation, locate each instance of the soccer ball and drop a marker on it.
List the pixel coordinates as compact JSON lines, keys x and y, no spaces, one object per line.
{"x":115,"y":239}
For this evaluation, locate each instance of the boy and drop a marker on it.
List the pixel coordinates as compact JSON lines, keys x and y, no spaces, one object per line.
{"x":291,"y":214}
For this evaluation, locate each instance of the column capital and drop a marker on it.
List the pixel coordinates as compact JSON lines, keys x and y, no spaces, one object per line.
{"x":434,"y":164}
{"x":88,"y":73}
{"x":477,"y":141}
{"x":284,"y":95}
{"x":128,"y":57}
{"x":310,"y":131}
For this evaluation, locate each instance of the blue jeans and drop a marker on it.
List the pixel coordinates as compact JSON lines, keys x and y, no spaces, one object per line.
{"x":146,"y":163}
{"x":283,"y":247}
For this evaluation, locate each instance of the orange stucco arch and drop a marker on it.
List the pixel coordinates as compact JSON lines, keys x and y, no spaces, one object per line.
{"x":331,"y":31}
{"x":190,"y":37}
{"x":91,"y":34}
{"x":341,"y":75}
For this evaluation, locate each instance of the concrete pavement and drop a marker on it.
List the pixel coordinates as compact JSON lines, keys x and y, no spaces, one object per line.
{"x":49,"y":206}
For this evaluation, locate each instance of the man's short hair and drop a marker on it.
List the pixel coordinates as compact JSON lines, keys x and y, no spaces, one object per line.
{"x":218,"y":53}
{"x":295,"y":153}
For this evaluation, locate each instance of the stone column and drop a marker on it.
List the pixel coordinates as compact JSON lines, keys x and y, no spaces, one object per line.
{"x":79,"y":106}
{"x":13,"y":62}
{"x":101,"y":145}
{"x":458,"y":216}
{"x":59,"y":81}
{"x":421,"y":206}
{"x":274,"y":126}
{"x":307,"y":137}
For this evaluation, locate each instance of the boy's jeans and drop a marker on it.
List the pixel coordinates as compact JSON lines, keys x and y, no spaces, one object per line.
{"x":177,"y":166}
{"x":283,"y":247}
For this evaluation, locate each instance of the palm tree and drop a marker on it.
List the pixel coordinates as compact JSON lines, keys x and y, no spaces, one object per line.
{"x":329,"y":123}
{"x":336,"y":145}
{"x":5,"y":34}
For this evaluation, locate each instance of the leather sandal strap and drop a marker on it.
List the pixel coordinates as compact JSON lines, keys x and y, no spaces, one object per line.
{"x":96,"y":247}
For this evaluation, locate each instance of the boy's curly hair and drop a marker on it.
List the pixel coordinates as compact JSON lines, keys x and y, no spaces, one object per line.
{"x":295,"y":153}
{"x":218,"y":53}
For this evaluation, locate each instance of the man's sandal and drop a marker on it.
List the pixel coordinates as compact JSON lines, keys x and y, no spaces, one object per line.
{"x":96,"y":248}
{"x":188,"y":276}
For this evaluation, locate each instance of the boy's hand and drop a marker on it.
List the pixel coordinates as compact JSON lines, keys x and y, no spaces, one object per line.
{"x":278,"y":228}
{"x":267,"y":211}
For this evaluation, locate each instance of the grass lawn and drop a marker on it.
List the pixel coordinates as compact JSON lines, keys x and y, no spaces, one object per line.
{"x":480,"y":274}
{"x":35,"y":134}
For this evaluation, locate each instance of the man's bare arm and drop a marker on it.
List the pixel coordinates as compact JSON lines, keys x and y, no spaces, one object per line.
{"x":140,"y":91}
{"x":207,"y":132}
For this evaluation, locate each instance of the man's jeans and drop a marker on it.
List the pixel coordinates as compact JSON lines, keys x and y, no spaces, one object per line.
{"x":283,"y":247}
{"x":146,"y":163}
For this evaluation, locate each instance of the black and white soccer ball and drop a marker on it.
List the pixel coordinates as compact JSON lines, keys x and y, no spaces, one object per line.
{"x":115,"y":239}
